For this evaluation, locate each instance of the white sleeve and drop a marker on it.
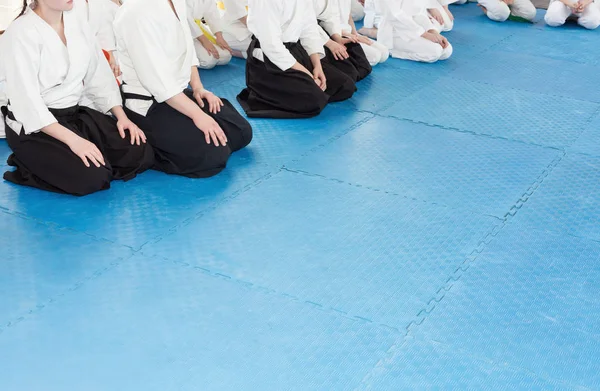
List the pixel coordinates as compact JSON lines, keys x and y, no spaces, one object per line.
{"x":235,"y":9}
{"x":265,"y":24}
{"x":155,"y":71}
{"x":191,"y":18}
{"x":404,"y":24}
{"x":21,"y":67}
{"x":212,"y":16}
{"x":330,"y":18}
{"x":310,"y":38}
{"x":100,"y":83}
{"x":105,"y":34}
{"x":423,"y":20}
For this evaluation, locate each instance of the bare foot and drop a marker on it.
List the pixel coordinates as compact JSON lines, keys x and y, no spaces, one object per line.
{"x":482,"y":8}
{"x":369,"y":32}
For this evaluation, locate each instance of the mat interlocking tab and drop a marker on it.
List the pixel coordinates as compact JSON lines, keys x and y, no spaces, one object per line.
{"x":149,"y":326}
{"x":489,"y":110}
{"x":28,"y":282}
{"x":529,"y":302}
{"x":431,"y":164}
{"x":365,"y":254}
{"x":568,"y":201}
{"x":135,"y":212}
{"x":589,"y":141}
{"x":438,"y":230}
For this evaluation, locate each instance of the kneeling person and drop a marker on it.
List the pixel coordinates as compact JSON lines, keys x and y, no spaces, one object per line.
{"x":193,"y":132}
{"x":285,"y":76}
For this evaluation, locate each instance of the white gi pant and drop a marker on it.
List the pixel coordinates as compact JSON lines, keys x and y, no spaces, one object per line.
{"x":498,"y":10}
{"x":376,"y":53}
{"x":237,"y":36}
{"x":558,"y":13}
{"x":420,"y":49}
{"x":206,"y":60}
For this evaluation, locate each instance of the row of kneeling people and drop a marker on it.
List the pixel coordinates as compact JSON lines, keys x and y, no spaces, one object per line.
{"x":73,"y":128}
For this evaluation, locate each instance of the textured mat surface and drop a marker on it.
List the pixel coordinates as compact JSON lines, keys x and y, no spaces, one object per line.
{"x":438,"y":230}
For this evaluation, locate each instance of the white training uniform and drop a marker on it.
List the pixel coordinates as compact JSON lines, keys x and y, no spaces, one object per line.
{"x":499,"y":11}
{"x":376,"y":53}
{"x":101,"y":14}
{"x":207,"y":10}
{"x":286,"y":21}
{"x":402,"y":26}
{"x":328,"y":14}
{"x":150,"y":43}
{"x":372,"y":14}
{"x":558,"y":13}
{"x":42,"y":73}
{"x":439,"y":5}
{"x":235,"y":32}
{"x":357,"y":9}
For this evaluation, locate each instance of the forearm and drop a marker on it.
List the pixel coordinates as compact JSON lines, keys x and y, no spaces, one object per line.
{"x":185,"y":106}
{"x":337,"y":38}
{"x":59,"y":132}
{"x":195,"y":81}
{"x":352,"y":25}
{"x":119,"y":113}
{"x":316,"y":60}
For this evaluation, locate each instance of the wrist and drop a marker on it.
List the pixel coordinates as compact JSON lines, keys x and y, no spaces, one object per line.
{"x":119,"y":113}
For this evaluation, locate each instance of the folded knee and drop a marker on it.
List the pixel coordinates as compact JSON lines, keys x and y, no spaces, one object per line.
{"x":589,"y":23}
{"x":499,"y":12}
{"x":529,"y":13}
{"x":224,"y":57}
{"x":88,"y":180}
{"x":207,"y":61}
{"x":553,"y":20}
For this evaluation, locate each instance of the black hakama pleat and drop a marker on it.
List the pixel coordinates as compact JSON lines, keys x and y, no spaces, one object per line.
{"x":180,"y":147}
{"x":356,"y":65}
{"x":46,"y":163}
{"x":273,"y":93}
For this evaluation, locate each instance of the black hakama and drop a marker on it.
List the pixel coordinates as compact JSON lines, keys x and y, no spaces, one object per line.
{"x":356,"y":66}
{"x":273,"y":93}
{"x":180,"y":147}
{"x":46,"y":163}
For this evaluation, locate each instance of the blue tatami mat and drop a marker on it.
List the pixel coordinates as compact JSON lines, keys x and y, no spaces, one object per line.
{"x":439,"y":230}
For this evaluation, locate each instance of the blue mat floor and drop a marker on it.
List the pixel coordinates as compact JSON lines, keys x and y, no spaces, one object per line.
{"x":439,"y":230}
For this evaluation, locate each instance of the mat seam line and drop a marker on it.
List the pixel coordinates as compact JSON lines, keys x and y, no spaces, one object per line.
{"x":463,"y":131}
{"x":388,"y":192}
{"x":274,"y":292}
{"x":55,"y":298}
{"x":439,"y":295}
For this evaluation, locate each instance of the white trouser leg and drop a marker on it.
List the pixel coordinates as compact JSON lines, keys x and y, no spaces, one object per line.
{"x":523,"y":9}
{"x":373,"y":55}
{"x":590,"y":17}
{"x":461,"y":2}
{"x":235,"y":44}
{"x":497,"y":10}
{"x":376,"y":53}
{"x":206,"y":60}
{"x":557,"y":14}
{"x":385,"y":52}
{"x":420,"y":49}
